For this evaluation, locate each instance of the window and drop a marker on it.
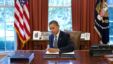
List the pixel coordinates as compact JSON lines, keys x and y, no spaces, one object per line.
{"x":7,"y":32}
{"x":110,"y":10}
{"x":60,"y":10}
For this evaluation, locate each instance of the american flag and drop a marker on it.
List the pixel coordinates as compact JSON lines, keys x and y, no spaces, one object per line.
{"x":22,"y":20}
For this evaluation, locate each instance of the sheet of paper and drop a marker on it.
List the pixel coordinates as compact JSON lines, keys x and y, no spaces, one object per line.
{"x":110,"y":59}
{"x":109,"y":55}
{"x":47,"y":52}
{"x":69,"y":53}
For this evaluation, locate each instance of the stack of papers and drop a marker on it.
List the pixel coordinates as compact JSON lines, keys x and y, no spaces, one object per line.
{"x":67,"y":55}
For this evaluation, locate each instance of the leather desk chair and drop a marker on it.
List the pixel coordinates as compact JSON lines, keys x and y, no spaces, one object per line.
{"x":75,"y":38}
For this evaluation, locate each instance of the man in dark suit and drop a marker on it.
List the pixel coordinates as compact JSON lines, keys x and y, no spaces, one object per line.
{"x":59,"y":41}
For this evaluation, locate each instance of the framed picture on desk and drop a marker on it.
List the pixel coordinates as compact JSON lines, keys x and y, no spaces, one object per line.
{"x":36,"y":35}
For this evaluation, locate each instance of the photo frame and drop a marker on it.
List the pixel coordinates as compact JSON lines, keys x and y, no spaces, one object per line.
{"x":36,"y":35}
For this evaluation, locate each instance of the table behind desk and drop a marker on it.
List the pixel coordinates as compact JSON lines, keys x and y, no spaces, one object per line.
{"x":83,"y":58}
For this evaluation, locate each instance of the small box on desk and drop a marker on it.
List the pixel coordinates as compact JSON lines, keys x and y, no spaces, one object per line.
{"x":22,"y":57}
{"x":101,"y":49}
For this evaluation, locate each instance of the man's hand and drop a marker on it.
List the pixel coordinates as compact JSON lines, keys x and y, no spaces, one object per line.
{"x":53,"y":50}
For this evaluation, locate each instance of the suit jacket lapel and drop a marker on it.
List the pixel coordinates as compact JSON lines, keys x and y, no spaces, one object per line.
{"x":59,"y":38}
{"x":52,"y":39}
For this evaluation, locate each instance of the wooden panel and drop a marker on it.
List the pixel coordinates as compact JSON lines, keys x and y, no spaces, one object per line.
{"x":40,"y":44}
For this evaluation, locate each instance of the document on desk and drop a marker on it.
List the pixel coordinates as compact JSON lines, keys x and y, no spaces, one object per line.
{"x":47,"y":52}
{"x":110,"y":59}
{"x":67,"y":55}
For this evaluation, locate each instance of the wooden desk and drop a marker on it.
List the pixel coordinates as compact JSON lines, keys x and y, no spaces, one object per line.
{"x":84,"y":58}
{"x":40,"y":44}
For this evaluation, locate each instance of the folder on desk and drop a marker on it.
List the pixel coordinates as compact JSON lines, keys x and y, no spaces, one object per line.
{"x":67,"y":55}
{"x":23,"y":56}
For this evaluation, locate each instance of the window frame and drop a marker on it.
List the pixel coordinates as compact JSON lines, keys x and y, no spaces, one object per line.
{"x":60,"y":6}
{"x":5,"y":49}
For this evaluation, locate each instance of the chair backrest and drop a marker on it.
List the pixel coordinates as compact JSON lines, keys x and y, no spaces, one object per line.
{"x":75,"y":38}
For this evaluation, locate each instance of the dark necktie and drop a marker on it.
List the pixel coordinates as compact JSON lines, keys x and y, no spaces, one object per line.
{"x":55,"y":42}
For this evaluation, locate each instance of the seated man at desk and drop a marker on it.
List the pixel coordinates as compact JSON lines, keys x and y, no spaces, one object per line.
{"x":59,"y":41}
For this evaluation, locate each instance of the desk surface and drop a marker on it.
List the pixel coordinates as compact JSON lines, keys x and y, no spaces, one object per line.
{"x":84,"y":58}
{"x":2,"y":56}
